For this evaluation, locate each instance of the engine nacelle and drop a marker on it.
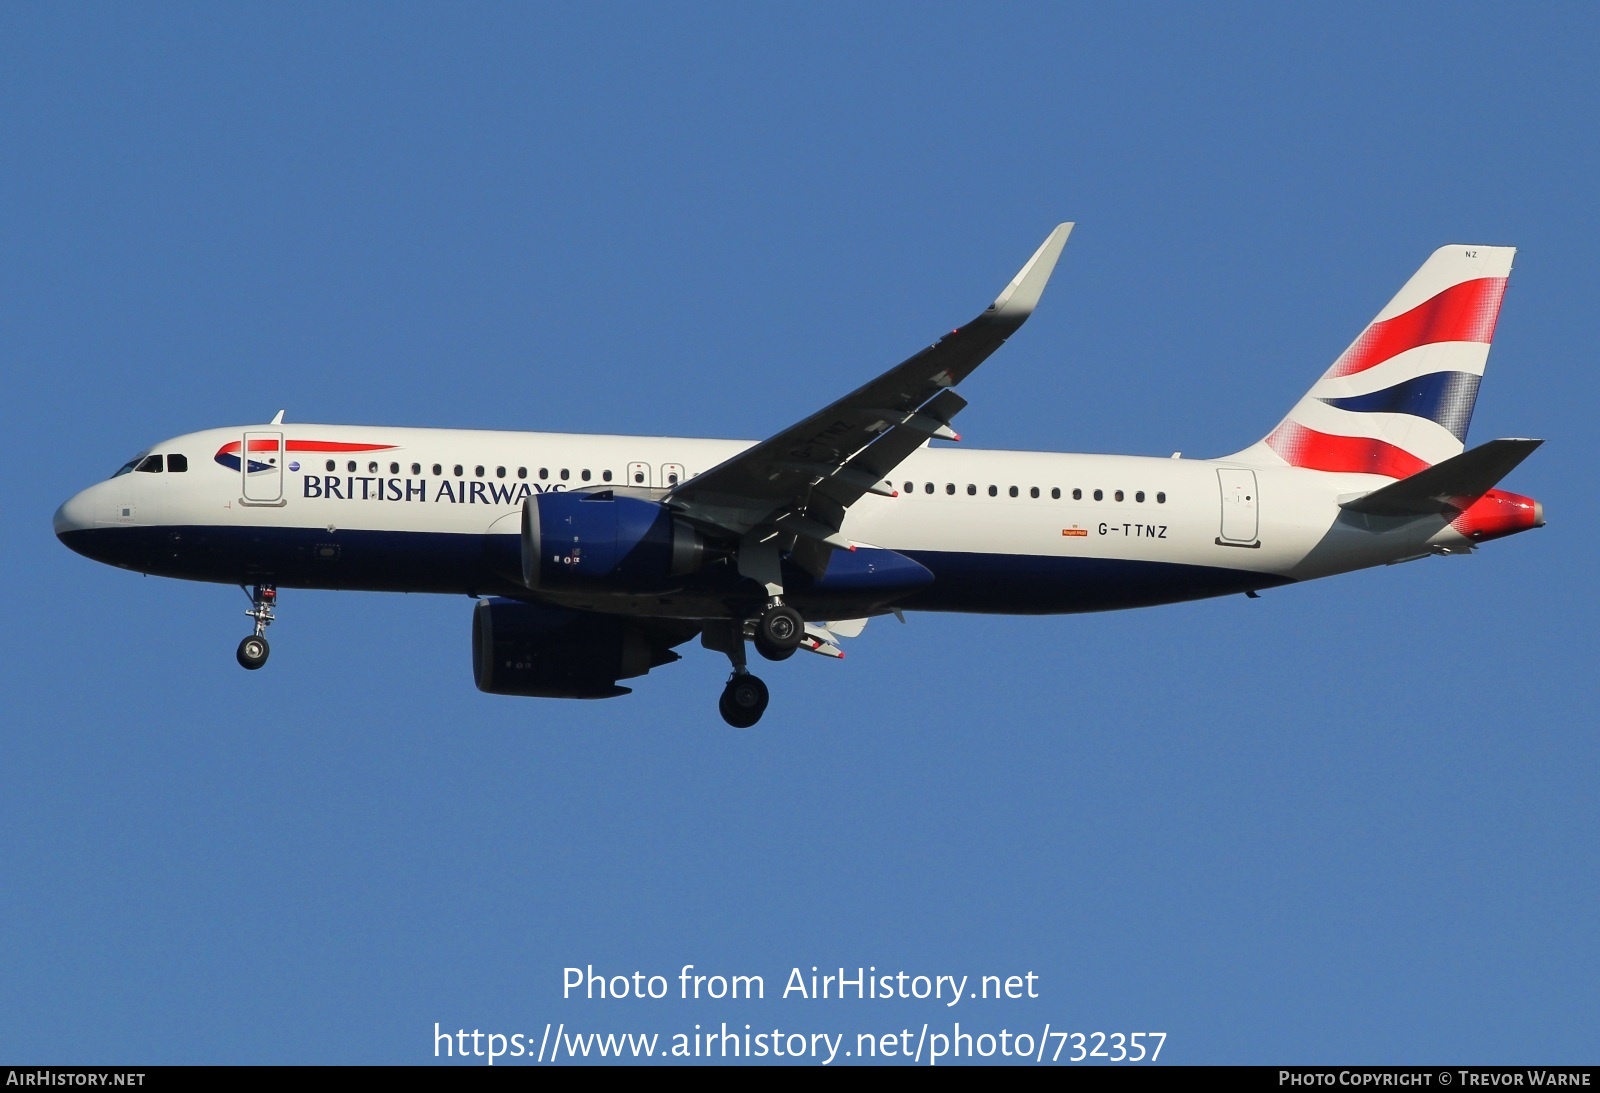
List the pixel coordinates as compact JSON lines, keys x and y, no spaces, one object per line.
{"x":595,"y":539}
{"x":543,"y":651}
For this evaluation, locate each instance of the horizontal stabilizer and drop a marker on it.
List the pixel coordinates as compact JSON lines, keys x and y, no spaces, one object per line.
{"x":1449,"y":486}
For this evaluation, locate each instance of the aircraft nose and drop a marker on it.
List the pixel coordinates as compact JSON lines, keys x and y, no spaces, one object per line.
{"x":75,"y":514}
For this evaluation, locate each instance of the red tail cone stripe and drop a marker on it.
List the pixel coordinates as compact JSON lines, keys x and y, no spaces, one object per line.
{"x":1495,"y":514}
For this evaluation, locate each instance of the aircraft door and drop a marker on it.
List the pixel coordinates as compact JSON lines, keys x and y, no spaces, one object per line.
{"x":1240,"y":520}
{"x":261,"y":466}
{"x":671,"y":474}
{"x":638,"y":474}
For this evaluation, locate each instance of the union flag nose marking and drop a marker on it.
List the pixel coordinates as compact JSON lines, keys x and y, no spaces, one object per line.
{"x":228,"y":454}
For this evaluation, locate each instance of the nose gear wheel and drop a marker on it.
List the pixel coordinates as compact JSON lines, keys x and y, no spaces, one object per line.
{"x":253,"y":652}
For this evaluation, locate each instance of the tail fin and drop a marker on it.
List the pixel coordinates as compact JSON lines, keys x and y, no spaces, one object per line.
{"x":1400,"y":398}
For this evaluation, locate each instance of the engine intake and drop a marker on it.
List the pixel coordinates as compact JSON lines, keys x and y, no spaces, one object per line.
{"x":587,"y":539}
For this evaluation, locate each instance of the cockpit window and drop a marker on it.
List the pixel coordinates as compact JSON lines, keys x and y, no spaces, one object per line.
{"x":177,"y":464}
{"x":128,"y":466}
{"x":150,"y":464}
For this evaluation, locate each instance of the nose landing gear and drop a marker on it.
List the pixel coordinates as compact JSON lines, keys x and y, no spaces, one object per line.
{"x":254,"y":649}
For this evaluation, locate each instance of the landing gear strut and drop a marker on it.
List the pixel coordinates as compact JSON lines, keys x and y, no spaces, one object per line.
{"x":254,"y":649}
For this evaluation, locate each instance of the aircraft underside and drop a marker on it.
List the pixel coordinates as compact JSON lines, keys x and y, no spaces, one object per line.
{"x":483,"y":565}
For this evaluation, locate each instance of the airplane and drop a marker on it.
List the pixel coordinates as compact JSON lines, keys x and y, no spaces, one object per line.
{"x":593,"y":557}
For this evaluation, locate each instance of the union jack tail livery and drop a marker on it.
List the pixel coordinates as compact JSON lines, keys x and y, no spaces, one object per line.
{"x":1399,"y":400}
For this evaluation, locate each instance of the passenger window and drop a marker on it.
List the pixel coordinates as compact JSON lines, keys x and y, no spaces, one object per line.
{"x":1013,"y":491}
{"x":928,"y":488}
{"x":522,"y":472}
{"x":1161,"y":499}
{"x":332,"y":465}
{"x":150,"y":464}
{"x":638,"y":478}
{"x":458,"y":470}
{"x":994,"y":491}
{"x":1034,"y":492}
{"x":605,"y":475}
{"x":177,"y":464}
{"x":499,"y":472}
{"x":544,"y":472}
{"x":1118,"y":495}
{"x":438,"y":471}
{"x":1099,"y":495}
{"x":1139,"y":497}
{"x":565,"y":474}
{"x":351,"y":466}
{"x":585,"y":474}
{"x":950,"y":488}
{"x":394,"y":468}
{"x":416,"y":468}
{"x":910,"y":488}
{"x":372,"y":468}
{"x":672,"y":479}
{"x":972,"y":490}
{"x":1077,"y":495}
{"x":478,"y":470}
{"x":1055,"y":493}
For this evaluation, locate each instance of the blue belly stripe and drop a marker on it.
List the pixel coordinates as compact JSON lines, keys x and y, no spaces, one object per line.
{"x":415,"y":561}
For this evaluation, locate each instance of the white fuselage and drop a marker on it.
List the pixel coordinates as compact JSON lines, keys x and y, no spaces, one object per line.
{"x":995,"y":527}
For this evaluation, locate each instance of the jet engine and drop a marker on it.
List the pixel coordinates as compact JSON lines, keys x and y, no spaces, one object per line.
{"x":543,"y":651}
{"x":575,"y":540}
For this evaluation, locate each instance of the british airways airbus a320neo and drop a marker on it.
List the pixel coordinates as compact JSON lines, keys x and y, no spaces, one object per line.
{"x":593,"y":557}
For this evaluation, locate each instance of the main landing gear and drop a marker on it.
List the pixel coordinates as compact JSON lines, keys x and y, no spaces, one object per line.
{"x":743,"y":700}
{"x":777,"y":634}
{"x":254,"y":649}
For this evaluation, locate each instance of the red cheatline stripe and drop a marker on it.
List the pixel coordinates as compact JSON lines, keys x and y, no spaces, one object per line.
{"x":304,"y":446}
{"x":1461,"y":313}
{"x":334,"y":446}
{"x":1315,"y":451}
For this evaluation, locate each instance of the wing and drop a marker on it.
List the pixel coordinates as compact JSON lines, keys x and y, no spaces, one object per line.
{"x":801,"y":481}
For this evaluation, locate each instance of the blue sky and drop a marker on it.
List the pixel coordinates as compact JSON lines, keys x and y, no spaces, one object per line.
{"x":1352,"y":821}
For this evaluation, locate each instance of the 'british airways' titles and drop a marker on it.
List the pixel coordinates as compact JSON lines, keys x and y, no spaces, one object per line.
{"x":374,"y":488}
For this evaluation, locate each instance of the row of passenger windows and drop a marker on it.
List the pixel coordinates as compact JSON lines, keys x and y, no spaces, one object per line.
{"x":480,"y":471}
{"x":155,"y":464}
{"x":1034,"y":491}
{"x":179,"y":463}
